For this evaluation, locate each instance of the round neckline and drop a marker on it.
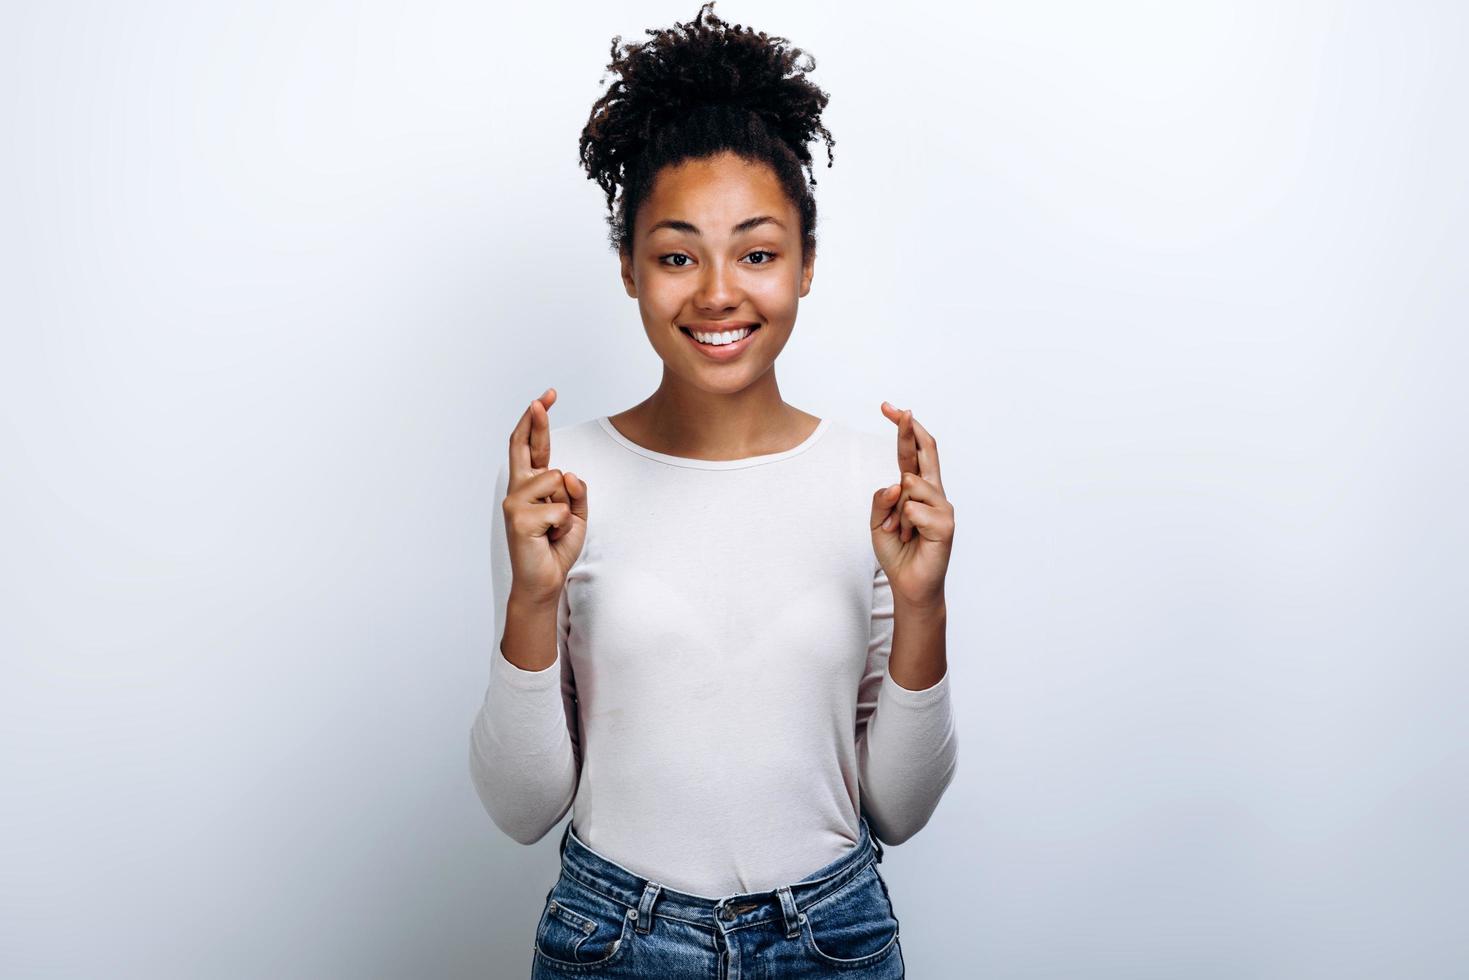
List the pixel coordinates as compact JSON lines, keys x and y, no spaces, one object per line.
{"x":714,"y":464}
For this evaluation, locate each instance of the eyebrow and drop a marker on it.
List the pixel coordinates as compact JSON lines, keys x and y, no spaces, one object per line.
{"x":741,"y":228}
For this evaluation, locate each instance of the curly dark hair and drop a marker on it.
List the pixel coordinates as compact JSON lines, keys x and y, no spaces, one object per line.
{"x":695,"y":90}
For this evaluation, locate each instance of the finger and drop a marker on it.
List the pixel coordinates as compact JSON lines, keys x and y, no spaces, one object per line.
{"x":540,"y":431}
{"x":573,"y":493}
{"x":917,"y":488}
{"x":557,"y":492}
{"x":520,"y":447}
{"x":907,"y":446}
{"x":905,"y":526}
{"x":907,"y":463}
{"x":576,"y":489}
{"x":547,"y":486}
{"x":933,"y":523}
{"x":882,"y":507}
{"x":520,"y":439}
{"x":928,"y":455}
{"x":538,"y":519}
{"x":891,"y":521}
{"x":907,"y":459}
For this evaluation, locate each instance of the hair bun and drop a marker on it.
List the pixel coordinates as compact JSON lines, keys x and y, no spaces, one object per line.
{"x":696,"y":88}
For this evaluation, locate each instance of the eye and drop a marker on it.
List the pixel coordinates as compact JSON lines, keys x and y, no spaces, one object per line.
{"x":662,"y":259}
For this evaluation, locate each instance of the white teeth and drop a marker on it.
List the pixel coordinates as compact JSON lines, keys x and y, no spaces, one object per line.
{"x":720,"y":339}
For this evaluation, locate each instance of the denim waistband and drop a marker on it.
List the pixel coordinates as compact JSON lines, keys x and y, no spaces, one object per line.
{"x":648,"y":897}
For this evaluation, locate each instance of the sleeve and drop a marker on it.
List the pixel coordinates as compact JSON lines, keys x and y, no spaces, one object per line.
{"x":524,"y":748}
{"x":906,"y":746}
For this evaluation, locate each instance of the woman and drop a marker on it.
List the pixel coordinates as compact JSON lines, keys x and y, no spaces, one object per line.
{"x":736,"y":670}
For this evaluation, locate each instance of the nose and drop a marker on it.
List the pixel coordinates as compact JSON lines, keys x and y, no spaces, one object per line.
{"x":717,"y":290}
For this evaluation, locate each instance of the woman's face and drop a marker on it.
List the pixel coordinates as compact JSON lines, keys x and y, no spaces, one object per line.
{"x":717,"y":245}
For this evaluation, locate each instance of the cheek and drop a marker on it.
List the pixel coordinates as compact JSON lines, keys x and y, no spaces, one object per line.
{"x":776,"y":300}
{"x":669,"y":290}
{"x":660,"y":304}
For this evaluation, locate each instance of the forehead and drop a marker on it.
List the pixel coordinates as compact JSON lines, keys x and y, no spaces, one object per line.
{"x":715,"y":193}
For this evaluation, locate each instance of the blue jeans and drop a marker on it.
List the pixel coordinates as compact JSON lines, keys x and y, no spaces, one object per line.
{"x":602,"y":920}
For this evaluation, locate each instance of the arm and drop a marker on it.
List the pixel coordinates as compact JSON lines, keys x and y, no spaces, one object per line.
{"x":524,"y":749}
{"x":907,"y":751}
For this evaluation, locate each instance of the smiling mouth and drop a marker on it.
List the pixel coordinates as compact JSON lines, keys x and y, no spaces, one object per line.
{"x":754,"y":328}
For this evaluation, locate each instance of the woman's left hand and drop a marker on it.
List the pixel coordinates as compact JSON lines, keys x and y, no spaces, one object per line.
{"x":912,"y":521}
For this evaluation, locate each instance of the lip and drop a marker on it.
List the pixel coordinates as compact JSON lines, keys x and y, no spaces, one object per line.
{"x":728,"y":352}
{"x":718,"y":326}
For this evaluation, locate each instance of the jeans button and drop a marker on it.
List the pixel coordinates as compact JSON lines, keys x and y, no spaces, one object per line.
{"x":727,"y":914}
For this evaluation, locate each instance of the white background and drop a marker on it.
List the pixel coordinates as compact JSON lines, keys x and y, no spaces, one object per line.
{"x":1179,"y":287}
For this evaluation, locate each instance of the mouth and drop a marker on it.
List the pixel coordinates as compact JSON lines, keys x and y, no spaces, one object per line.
{"x":722,"y":351}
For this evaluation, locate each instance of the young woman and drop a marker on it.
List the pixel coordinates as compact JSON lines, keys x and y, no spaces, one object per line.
{"x":733,"y":663}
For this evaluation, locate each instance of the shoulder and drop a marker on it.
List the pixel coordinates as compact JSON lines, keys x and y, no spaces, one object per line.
{"x":872,"y":455}
{"x":577,"y":439}
{"x":576,"y":446}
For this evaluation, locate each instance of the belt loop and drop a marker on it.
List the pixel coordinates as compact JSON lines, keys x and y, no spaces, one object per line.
{"x":644,"y":912}
{"x":877,"y":846}
{"x":788,"y":909}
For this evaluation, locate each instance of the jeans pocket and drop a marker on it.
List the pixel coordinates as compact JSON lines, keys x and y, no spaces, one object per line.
{"x":581,"y":930}
{"x":855,"y":925}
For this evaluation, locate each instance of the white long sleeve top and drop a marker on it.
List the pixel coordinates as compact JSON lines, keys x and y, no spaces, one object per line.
{"x":720,"y":708}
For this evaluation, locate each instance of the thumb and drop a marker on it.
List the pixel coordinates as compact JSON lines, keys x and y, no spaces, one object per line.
{"x":882,"y":502}
{"x":576,"y":489}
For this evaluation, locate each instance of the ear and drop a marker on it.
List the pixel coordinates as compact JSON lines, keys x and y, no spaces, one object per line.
{"x":807,"y":272}
{"x":629,"y":283}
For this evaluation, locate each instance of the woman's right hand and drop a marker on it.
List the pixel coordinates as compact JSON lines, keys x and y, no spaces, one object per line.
{"x":545,"y":509}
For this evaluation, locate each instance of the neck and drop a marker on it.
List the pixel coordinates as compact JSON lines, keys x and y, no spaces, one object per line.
{"x":685,"y":421}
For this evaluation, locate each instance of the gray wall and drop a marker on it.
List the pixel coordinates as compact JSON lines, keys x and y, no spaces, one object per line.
{"x":1180,"y":289}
